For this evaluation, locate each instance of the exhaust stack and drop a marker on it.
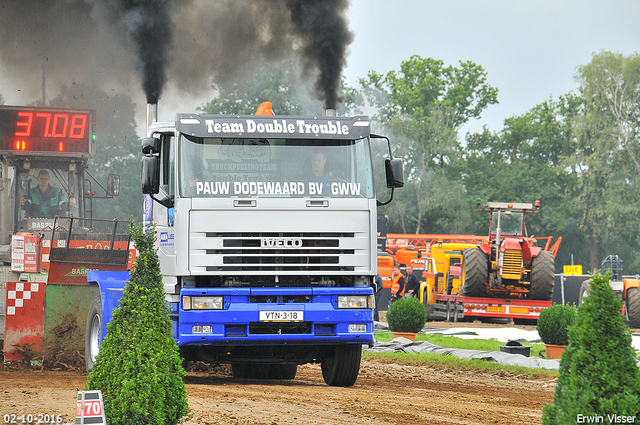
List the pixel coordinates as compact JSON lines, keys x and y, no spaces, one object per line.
{"x":152,"y":115}
{"x":330,"y":112}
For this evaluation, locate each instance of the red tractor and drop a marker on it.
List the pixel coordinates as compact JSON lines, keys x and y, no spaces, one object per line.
{"x":509,"y":265}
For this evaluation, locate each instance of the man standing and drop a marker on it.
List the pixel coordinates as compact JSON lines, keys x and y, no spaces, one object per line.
{"x":397,"y":285}
{"x":46,"y":201}
{"x":413,"y":283}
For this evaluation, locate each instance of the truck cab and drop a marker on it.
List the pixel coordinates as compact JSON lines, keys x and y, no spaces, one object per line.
{"x":266,"y":235}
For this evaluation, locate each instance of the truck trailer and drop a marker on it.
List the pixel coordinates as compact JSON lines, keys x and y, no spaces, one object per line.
{"x":266,"y":235}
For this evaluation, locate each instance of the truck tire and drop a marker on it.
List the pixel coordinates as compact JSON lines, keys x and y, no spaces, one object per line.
{"x":283,"y":371}
{"x":542,"y":270}
{"x":632,"y":307}
{"x":93,"y":334}
{"x":475,"y":273}
{"x":341,"y":365}
{"x":584,"y":291}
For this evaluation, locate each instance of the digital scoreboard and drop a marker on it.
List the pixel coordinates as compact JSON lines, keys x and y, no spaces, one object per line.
{"x":46,"y":130}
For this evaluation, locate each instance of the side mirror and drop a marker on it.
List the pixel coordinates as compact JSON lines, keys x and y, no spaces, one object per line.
{"x":150,"y":145}
{"x":395,"y":172}
{"x":113,"y":185}
{"x":150,"y":175}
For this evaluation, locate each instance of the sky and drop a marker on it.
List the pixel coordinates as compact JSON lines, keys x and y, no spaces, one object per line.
{"x":529,"y":48}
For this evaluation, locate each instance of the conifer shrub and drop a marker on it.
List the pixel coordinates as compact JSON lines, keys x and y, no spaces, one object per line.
{"x":406,"y":315}
{"x":554,"y":322}
{"x":139,"y":369}
{"x":599,"y":378}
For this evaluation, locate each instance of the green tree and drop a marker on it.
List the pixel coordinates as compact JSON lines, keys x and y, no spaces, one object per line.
{"x":117,"y":150}
{"x":266,"y":84}
{"x":524,"y":162}
{"x":424,"y":104}
{"x":139,"y":369}
{"x":606,"y":158}
{"x":598,"y":371}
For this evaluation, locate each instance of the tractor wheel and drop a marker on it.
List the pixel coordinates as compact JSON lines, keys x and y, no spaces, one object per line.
{"x":584,"y":291}
{"x":449,"y":284}
{"x":93,"y":334}
{"x":632,"y":307}
{"x":475,"y":273}
{"x":341,"y":365}
{"x":542,"y":270}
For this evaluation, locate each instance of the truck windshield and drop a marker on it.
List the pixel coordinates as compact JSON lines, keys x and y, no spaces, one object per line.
{"x":223,"y":167}
{"x":510,"y":223}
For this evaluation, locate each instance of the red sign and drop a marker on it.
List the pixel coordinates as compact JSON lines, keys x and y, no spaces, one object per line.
{"x":90,"y":408}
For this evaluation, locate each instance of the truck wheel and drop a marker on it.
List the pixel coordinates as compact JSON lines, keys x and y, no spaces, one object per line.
{"x":475,"y":273}
{"x":283,"y":371}
{"x":632,"y":307}
{"x":93,"y":335}
{"x":584,"y":291}
{"x":542,"y":270}
{"x":341,"y":365}
{"x":239,"y":371}
{"x":455,"y":312}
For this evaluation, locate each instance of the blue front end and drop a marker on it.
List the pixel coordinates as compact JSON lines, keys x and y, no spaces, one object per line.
{"x":257,"y":316}
{"x":276,"y":316}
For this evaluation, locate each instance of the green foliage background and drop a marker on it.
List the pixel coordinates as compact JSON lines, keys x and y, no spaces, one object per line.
{"x":139,"y":369}
{"x":579,"y":154}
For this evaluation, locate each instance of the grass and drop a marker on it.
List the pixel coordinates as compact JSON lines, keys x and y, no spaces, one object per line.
{"x":439,"y":361}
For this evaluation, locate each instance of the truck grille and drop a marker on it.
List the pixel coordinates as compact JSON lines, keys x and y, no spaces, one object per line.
{"x":512,"y":264}
{"x":295,"y":252}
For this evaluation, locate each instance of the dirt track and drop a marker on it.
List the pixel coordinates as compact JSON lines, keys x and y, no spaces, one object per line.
{"x":383,"y":394}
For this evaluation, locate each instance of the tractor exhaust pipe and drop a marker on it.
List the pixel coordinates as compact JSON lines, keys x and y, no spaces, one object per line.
{"x":152,"y":115}
{"x":330,"y":112}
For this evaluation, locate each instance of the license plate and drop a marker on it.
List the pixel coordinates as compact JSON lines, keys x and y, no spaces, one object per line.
{"x":495,"y":309}
{"x":282,"y":316}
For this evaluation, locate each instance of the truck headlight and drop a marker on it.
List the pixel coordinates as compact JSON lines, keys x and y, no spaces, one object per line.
{"x":202,"y":303}
{"x":356,"y":301}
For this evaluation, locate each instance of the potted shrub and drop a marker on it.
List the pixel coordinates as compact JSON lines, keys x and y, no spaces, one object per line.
{"x":553,"y":328}
{"x":406,"y":317}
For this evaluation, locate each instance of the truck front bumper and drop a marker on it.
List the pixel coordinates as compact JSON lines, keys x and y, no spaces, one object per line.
{"x":275,"y":316}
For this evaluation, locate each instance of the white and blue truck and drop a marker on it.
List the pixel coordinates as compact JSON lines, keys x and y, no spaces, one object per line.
{"x":266,"y":235}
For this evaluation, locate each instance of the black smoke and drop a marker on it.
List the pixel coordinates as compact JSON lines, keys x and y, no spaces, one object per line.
{"x":185,"y":44}
{"x":322,"y":26}
{"x":148,"y":27}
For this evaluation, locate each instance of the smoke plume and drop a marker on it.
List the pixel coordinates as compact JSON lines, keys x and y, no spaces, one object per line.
{"x":186,"y":44}
{"x":323,"y":28}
